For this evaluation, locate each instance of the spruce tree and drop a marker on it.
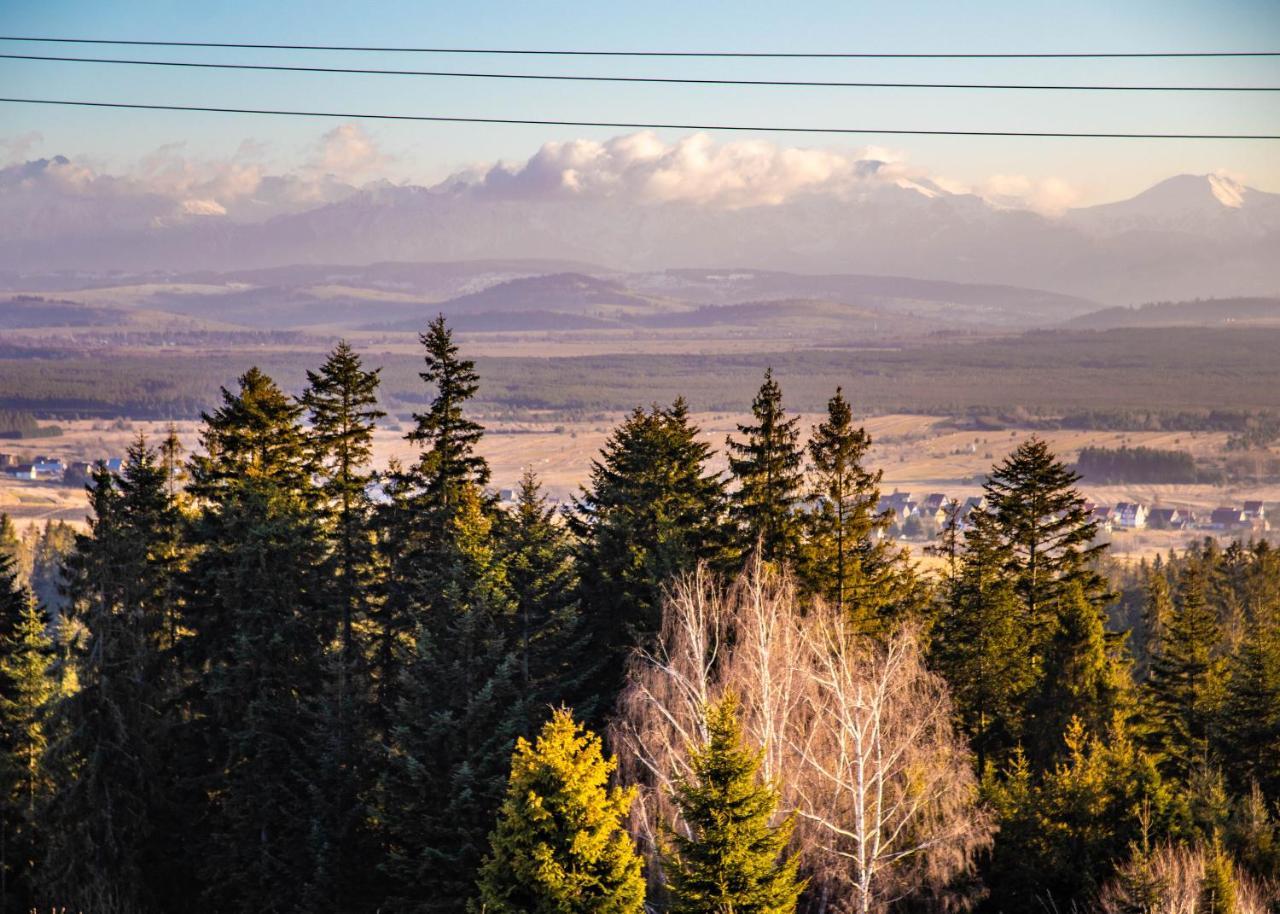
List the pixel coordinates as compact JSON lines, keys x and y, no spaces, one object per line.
{"x":1043,"y":521}
{"x":1187,"y":673}
{"x":1250,"y":731}
{"x":111,"y":759}
{"x":768,"y":467}
{"x":342,"y":403}
{"x":560,"y":846}
{"x":459,"y":710}
{"x":728,"y":857}
{"x":845,"y":559}
{"x":256,"y":606}
{"x":1218,"y":885}
{"x":982,"y":645}
{"x":26,"y":690}
{"x":651,"y":511}
{"x":547,"y":632}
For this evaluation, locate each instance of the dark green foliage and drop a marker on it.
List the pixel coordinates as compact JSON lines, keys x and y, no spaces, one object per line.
{"x":767,"y":465}
{"x":548,"y":634}
{"x":728,"y":857}
{"x":651,"y":511}
{"x":1250,"y":743}
{"x":1186,"y":681}
{"x":1113,"y":466}
{"x":114,"y":733}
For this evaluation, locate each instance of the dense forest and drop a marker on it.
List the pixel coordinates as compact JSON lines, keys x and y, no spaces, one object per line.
{"x":1140,"y":464}
{"x":274,"y":680}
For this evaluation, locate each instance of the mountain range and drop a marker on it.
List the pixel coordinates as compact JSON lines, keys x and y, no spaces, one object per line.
{"x":1188,"y":236}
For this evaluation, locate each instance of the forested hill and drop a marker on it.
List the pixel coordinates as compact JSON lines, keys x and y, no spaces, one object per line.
{"x":275,"y":680}
{"x":1200,"y":312}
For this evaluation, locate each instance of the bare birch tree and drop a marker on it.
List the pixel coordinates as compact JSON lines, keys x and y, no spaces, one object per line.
{"x":856,"y":735}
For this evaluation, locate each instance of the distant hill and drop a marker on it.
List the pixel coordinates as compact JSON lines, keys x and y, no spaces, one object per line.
{"x":1196,"y":313}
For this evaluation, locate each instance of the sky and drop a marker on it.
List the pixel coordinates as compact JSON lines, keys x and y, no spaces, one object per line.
{"x":1075,"y":171}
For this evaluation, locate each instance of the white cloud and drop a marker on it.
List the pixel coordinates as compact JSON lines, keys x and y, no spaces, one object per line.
{"x":19,"y":148}
{"x":348,"y":153}
{"x":1051,"y":196}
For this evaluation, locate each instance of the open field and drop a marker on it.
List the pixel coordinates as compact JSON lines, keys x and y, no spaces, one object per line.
{"x":917,"y":453}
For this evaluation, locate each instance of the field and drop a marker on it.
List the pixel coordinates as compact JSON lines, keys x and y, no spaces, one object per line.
{"x":917,"y":453}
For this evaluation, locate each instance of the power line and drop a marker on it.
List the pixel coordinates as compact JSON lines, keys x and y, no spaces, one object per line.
{"x":581,"y":53}
{"x":627,"y":125}
{"x":634,"y":79}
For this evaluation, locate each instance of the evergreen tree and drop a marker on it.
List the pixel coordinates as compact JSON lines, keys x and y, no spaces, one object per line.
{"x":982,"y":645}
{"x":26,"y":689}
{"x":548,"y":631}
{"x":650,"y":512}
{"x":732,"y":858}
{"x":1218,"y":885}
{"x":1157,"y":609}
{"x":1083,"y":678}
{"x":846,"y":561}
{"x":1044,"y":523}
{"x":111,"y":757}
{"x":768,"y":467}
{"x":1250,"y":731}
{"x":1185,"y":686}
{"x":560,"y":846}
{"x":341,"y":399}
{"x":458,"y":714}
{"x":256,"y":606}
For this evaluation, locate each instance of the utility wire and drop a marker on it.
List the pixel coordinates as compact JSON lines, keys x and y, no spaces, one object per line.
{"x":580,"y":53}
{"x":635,"y":79}
{"x":639,"y":126}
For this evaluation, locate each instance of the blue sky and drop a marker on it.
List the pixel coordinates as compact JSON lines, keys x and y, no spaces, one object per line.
{"x":1100,"y":169}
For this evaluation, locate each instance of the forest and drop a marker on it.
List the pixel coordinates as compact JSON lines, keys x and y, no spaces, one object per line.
{"x":269,"y":678}
{"x":1140,"y":464}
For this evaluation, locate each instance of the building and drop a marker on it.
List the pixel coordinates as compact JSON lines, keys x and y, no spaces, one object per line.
{"x":1167,"y":519}
{"x":1130,"y":515}
{"x":1227,"y":519}
{"x":1103,"y":516}
{"x":1255,"y":510}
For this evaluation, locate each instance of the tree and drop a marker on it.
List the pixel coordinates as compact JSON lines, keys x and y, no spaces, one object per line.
{"x":26,"y":688}
{"x":560,"y":846}
{"x":111,"y":760}
{"x":651,"y":511}
{"x":548,"y":631}
{"x":459,"y":711}
{"x":727,"y":855}
{"x":260,"y":621}
{"x":1250,"y":732}
{"x":857,"y":734}
{"x":982,"y":645}
{"x":768,"y":467}
{"x":845,"y":560}
{"x":1218,"y":885}
{"x":1185,"y":686}
{"x":1043,"y":521}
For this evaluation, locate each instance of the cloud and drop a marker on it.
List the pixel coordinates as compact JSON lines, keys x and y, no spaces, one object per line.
{"x":348,"y":153}
{"x":1051,"y":196}
{"x":19,"y":148}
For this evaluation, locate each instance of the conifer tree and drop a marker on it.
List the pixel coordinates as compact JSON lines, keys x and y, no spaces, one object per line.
{"x":1218,"y":885}
{"x":844,"y":561}
{"x":1046,"y":527}
{"x":732,"y":858}
{"x":982,"y":646}
{"x":651,"y":511}
{"x":548,"y":632}
{"x":1157,"y":609}
{"x":459,"y":711}
{"x":26,"y":689}
{"x":560,"y":846}
{"x":1185,"y":686}
{"x":768,"y":467}
{"x":255,"y":604}
{"x":1250,"y":730}
{"x":111,"y":758}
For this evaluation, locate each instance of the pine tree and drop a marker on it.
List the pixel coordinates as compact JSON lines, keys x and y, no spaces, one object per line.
{"x":26,"y":690}
{"x":111,"y":760}
{"x":846,"y":561}
{"x":255,"y":605}
{"x":548,"y":631}
{"x":1185,"y":686}
{"x":1044,"y":523}
{"x":768,"y":467}
{"x":728,"y":857}
{"x":1218,"y":885}
{"x":981,"y":644}
{"x":560,"y":846}
{"x":650,"y":512}
{"x":1250,"y":731}
{"x":1157,"y":609}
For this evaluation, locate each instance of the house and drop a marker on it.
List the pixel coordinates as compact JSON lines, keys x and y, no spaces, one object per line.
{"x":1255,"y":510}
{"x":9,"y":460}
{"x":114,"y":465}
{"x":934,"y":507}
{"x":1167,"y":519}
{"x":968,"y":507}
{"x":48,"y":468}
{"x":22,"y":471}
{"x":1103,"y":516}
{"x":1130,"y":515}
{"x":896,"y":505}
{"x":1227,"y":519}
